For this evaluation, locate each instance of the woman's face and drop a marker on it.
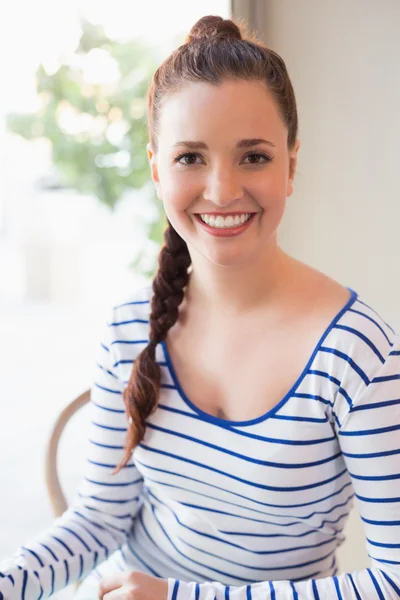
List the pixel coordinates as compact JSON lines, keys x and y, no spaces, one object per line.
{"x":223,"y":149}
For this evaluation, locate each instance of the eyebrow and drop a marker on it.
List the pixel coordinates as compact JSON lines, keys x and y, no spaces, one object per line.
{"x":246,"y":143}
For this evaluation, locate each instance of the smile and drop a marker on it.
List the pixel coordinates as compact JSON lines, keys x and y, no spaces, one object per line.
{"x":229,"y":226}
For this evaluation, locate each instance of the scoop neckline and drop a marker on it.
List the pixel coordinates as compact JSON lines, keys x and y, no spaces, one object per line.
{"x":227,"y":422}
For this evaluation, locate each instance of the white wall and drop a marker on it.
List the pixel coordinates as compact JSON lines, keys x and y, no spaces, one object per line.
{"x":343,"y":57}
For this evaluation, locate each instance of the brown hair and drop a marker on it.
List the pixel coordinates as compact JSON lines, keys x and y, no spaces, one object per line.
{"x":215,"y":50}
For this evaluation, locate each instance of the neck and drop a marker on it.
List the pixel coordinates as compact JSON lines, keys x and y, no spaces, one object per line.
{"x":242,"y":289}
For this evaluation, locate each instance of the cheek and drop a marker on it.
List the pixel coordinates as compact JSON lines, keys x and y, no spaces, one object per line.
{"x":180,"y":190}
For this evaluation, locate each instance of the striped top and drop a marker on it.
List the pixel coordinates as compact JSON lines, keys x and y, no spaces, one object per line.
{"x":236,"y":509}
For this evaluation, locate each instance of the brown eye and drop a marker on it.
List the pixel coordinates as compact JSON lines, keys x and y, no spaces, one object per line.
{"x":256,"y":156}
{"x":189,"y":158}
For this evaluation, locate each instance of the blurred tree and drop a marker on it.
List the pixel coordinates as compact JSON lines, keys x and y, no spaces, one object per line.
{"x":93,"y":112}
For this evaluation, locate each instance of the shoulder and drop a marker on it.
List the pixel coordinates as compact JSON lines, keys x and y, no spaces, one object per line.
{"x":363,"y":347}
{"x":128,"y":318}
{"x":135,"y":304}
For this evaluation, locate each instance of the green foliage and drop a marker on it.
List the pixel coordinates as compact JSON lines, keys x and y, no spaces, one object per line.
{"x":97,"y":130}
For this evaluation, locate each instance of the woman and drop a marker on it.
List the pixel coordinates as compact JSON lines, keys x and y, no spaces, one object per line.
{"x":244,"y":398}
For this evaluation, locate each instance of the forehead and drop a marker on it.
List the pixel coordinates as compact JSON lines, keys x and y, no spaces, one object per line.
{"x":235,"y":109}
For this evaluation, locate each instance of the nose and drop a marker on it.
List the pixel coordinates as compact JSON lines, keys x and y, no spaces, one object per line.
{"x":223,"y":186}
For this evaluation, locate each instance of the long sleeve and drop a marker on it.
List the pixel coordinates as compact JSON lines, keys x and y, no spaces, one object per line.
{"x":368,"y":435}
{"x":102,"y":513}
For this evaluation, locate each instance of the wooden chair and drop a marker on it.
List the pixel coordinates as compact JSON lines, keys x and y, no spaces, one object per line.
{"x":54,"y":489}
{"x":56,"y":495}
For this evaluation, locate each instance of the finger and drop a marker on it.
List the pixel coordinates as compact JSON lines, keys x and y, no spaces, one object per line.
{"x":115,"y":594}
{"x":110,"y":583}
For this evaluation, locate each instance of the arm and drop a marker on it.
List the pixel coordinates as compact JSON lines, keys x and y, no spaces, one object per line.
{"x":100,"y":517}
{"x":369,"y":438}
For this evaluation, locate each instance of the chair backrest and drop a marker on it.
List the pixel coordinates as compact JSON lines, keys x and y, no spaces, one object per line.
{"x":54,"y":489}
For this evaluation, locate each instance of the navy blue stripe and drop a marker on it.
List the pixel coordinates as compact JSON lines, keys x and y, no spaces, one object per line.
{"x":390,"y":582}
{"x":118,"y":323}
{"x":192,"y":560}
{"x":140,"y":559}
{"x":106,"y":445}
{"x":286,"y":535}
{"x":349,"y":360}
{"x":258,"y":552}
{"x":119,"y":529}
{"x":372,"y":405}
{"x":125,"y":516}
{"x":106,"y":370}
{"x":52,"y":579}
{"x":375,"y":477}
{"x":97,"y":525}
{"x":78,"y":537}
{"x":243,"y":433}
{"x":387,"y":562}
{"x":385,"y":378}
{"x":227,"y":593}
{"x":385,"y":523}
{"x":101,"y":387}
{"x":250,"y":483}
{"x":198,"y":592}
{"x":95,"y":538}
{"x":261,"y":512}
{"x":66,"y":573}
{"x":382,"y":544}
{"x":64,"y":545}
{"x":336,"y":582}
{"x":114,"y":410}
{"x":114,"y":484}
{"x":295,"y":594}
{"x":372,"y":454}
{"x":259,"y":502}
{"x":298,"y":522}
{"x":241,"y":456}
{"x":272,"y":591}
{"x":109,"y":500}
{"x":377,"y":500}
{"x":175,"y":590}
{"x":371,"y":431}
{"x":354,"y":588}
{"x":371,"y":309}
{"x":364,"y":338}
{"x":24,"y":583}
{"x":131,"y":303}
{"x":314,"y":589}
{"x":358,"y":312}
{"x":193,"y":574}
{"x":105,"y":347}
{"x":41,"y":563}
{"x":123,"y":362}
{"x":309,"y":531}
{"x":80,"y":566}
{"x":123,"y":429}
{"x":299,"y":419}
{"x":129,"y":342}
{"x":50,"y":551}
{"x":93,"y":462}
{"x":376,"y":585}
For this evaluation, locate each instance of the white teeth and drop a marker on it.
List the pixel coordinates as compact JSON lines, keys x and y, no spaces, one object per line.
{"x":227,"y":222}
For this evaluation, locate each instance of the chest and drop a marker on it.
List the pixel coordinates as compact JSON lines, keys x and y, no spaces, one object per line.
{"x":244,"y":374}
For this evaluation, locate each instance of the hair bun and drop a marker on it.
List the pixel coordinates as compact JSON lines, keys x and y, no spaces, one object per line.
{"x":214,"y":27}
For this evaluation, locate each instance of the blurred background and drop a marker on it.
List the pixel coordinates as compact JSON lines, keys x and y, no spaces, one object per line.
{"x":81,"y":226}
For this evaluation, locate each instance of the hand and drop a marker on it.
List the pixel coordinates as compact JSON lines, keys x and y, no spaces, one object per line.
{"x":133,"y":585}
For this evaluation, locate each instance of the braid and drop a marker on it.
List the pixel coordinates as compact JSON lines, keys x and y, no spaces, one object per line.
{"x":141,"y":394}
